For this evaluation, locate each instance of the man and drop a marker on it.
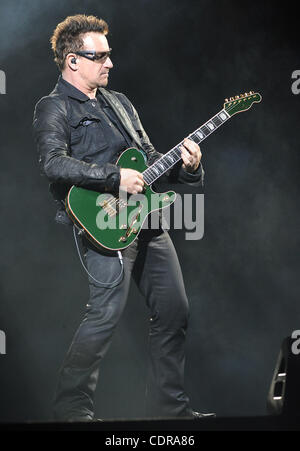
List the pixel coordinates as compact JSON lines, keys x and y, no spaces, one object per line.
{"x":80,"y":129}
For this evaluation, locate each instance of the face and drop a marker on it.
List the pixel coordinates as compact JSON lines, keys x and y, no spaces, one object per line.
{"x":94,"y":74}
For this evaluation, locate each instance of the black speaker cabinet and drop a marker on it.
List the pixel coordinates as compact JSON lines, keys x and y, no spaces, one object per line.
{"x":284,"y":393}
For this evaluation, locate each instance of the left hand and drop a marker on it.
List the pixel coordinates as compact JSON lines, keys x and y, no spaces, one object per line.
{"x":191,"y":155}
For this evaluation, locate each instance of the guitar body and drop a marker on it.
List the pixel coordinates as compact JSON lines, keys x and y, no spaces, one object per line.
{"x":114,"y":222}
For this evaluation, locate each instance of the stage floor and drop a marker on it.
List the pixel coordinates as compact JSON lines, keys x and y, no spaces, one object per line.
{"x":262,"y":423}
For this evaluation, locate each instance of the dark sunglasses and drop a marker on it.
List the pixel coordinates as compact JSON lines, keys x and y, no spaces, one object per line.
{"x":94,"y":56}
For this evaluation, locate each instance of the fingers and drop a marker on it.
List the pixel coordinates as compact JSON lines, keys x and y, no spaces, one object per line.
{"x":190,"y":154}
{"x":140,"y":176}
{"x":132,"y":181}
{"x":138,"y":186}
{"x":185,"y":155}
{"x":139,"y":182}
{"x":192,"y":147}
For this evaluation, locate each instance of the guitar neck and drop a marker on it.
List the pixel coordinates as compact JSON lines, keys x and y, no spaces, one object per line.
{"x":169,"y":159}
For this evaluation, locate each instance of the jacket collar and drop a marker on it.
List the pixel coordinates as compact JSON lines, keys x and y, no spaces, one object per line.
{"x":70,"y":90}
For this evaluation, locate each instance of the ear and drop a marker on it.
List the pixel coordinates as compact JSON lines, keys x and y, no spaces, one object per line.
{"x":71,"y":61}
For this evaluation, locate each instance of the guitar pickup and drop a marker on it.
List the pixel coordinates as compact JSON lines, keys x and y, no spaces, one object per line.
{"x":110,"y":210}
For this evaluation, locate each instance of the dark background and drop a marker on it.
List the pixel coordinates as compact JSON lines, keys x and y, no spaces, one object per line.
{"x":177,"y":61}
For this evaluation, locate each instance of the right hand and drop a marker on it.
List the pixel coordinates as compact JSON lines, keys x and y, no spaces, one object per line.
{"x":132,"y":181}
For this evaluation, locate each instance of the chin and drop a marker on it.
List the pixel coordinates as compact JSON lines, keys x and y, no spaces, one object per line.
{"x":102,"y":84}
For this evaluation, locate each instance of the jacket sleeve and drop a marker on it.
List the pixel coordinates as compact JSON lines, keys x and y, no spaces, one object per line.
{"x":177,"y":173}
{"x":51,"y":134}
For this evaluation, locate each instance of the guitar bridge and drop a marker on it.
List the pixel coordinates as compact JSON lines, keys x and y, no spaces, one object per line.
{"x":112,"y":205}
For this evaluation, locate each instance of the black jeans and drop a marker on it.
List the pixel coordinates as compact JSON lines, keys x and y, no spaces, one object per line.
{"x":153,"y":263}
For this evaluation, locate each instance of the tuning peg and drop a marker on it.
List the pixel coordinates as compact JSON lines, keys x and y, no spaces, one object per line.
{"x":231,"y":99}
{"x":241,"y":95}
{"x":251,"y":92}
{"x":246,"y":94}
{"x":237,"y":97}
{"x":226,"y":100}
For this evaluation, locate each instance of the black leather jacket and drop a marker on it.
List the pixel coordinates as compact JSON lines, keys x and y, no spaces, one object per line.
{"x":74,"y":149}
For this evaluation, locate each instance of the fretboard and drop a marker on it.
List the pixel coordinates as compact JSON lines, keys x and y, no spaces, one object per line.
{"x":169,"y":159}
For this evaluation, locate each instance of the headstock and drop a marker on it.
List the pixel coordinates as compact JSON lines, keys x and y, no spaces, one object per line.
{"x":241,"y":103}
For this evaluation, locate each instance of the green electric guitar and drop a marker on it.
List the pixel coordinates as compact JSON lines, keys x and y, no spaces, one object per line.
{"x":114,"y":222}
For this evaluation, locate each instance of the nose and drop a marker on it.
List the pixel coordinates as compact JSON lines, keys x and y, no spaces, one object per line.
{"x":108,"y":63}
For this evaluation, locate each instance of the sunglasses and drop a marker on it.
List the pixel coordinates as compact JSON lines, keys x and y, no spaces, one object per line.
{"x":94,"y":56}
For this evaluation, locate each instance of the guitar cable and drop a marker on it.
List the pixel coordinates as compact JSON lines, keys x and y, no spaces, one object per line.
{"x":101,"y":284}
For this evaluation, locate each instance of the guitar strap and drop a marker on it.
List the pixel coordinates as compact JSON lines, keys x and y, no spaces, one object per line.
{"x":122,"y":115}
